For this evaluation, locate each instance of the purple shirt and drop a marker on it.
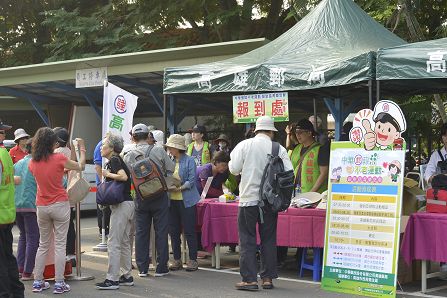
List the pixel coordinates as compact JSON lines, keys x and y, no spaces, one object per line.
{"x":202,"y":174}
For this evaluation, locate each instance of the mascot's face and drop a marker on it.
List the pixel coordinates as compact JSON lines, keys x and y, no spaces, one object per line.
{"x":386,"y":133}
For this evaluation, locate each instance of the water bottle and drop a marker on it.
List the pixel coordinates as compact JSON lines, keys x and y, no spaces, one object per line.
{"x":297,"y":189}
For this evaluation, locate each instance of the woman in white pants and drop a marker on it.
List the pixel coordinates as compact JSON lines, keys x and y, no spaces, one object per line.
{"x":121,"y":218}
{"x":53,"y":208}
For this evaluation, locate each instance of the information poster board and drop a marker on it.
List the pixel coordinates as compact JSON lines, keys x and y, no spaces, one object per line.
{"x":364,"y":206}
{"x":248,"y":108}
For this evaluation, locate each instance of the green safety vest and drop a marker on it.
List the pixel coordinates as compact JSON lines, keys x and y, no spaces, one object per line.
{"x":7,"y":204}
{"x":231,"y":183}
{"x":294,"y":156}
{"x":310,"y":170}
{"x":206,"y":155}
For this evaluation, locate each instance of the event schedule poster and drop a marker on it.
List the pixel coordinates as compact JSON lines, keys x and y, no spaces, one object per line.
{"x":248,"y":108}
{"x":364,"y":206}
{"x":362,"y":223}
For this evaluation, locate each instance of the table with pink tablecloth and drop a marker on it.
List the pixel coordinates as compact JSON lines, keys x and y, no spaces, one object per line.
{"x":296,"y":227}
{"x":425,"y":238}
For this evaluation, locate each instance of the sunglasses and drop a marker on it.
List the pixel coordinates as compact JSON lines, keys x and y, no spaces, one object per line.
{"x":300,"y":131}
{"x":2,"y":132}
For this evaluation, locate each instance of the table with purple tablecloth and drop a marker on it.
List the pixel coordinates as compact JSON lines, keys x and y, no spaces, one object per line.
{"x":296,"y":227}
{"x":425,"y":239}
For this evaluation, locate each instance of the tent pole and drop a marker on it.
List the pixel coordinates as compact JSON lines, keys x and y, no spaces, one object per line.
{"x":172,"y":112}
{"x":370,"y":94}
{"x":315,"y":115}
{"x":377,"y":91}
{"x":165,"y":115}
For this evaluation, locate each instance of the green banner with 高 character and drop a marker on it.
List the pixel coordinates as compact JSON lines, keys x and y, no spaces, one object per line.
{"x":248,"y":108}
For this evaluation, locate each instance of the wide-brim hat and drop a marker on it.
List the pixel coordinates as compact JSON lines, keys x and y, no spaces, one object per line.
{"x":265,"y":123}
{"x":3,"y":126}
{"x":222,"y":137}
{"x":323,"y":202}
{"x":311,"y":197}
{"x":176,"y":141}
{"x":20,"y":133}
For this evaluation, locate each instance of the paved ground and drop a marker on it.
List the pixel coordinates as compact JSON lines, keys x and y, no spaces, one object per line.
{"x":207,"y":282}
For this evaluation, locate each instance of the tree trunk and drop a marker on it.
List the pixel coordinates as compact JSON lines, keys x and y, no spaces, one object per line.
{"x":245,"y":27}
{"x":441,"y":108}
{"x":272,"y":19}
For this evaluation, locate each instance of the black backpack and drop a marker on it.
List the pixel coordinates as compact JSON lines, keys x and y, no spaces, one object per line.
{"x":276,"y":184}
{"x":439,"y":182}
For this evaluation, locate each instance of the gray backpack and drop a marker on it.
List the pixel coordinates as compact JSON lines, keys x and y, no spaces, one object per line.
{"x":276,"y":188}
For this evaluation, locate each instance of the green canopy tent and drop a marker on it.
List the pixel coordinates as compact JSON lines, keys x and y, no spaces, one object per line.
{"x":416,"y":68}
{"x":330,"y":53}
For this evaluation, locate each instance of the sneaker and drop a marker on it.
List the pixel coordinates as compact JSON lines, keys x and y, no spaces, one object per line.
{"x":61,"y":287}
{"x":176,"y":265}
{"x":143,"y":274}
{"x":40,"y":285}
{"x":108,"y":285}
{"x":126,"y":281}
{"x":27,"y":276}
{"x":192,"y":265}
{"x":160,"y":273}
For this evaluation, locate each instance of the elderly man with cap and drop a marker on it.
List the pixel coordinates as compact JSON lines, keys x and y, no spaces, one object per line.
{"x":19,"y":151}
{"x":249,"y":159}
{"x":155,"y":208}
{"x":10,"y":286}
{"x":199,"y":148}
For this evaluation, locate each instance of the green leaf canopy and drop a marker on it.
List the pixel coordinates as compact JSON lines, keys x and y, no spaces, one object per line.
{"x":415,"y":68}
{"x":334,"y":45}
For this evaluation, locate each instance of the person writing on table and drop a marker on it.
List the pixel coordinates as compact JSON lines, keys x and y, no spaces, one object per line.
{"x":218,"y":169}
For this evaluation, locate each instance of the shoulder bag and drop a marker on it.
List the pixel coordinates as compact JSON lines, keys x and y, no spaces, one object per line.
{"x":78,"y":188}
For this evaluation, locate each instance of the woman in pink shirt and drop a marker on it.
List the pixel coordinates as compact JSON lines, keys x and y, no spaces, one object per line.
{"x":53,"y":208}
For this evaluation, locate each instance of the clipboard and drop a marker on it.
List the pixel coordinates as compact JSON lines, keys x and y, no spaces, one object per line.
{"x":206,"y":188}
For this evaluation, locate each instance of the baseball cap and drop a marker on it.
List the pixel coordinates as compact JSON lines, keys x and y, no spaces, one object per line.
{"x":62,"y":134}
{"x":4,"y":126}
{"x":305,"y":124}
{"x":140,"y":128}
{"x":199,"y":128}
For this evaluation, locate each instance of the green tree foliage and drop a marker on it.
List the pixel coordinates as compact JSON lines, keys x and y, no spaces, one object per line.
{"x":51,"y":30}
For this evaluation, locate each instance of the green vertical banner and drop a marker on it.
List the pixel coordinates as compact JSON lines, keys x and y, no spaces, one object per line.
{"x":364,"y":205}
{"x":248,"y":108}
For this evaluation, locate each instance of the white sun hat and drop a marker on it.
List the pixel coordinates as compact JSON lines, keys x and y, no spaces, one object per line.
{"x":265,"y":123}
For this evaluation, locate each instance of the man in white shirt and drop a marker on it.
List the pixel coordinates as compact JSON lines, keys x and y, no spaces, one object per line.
{"x":249,"y":159}
{"x":437,"y":156}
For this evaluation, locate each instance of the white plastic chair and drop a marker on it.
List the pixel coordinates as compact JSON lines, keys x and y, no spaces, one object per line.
{"x":422,"y":183}
{"x":415,"y":176}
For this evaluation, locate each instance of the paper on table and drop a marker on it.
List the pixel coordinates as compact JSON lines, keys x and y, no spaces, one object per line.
{"x":206,"y":188}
